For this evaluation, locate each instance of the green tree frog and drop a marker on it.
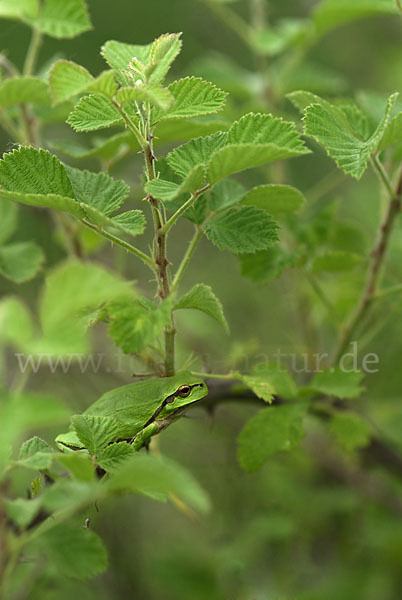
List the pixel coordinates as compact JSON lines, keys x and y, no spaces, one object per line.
{"x":142,"y":409}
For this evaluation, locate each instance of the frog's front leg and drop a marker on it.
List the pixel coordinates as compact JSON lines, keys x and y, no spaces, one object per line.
{"x":143,"y":437}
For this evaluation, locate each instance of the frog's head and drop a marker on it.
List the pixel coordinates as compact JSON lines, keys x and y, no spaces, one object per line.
{"x":185,"y":389}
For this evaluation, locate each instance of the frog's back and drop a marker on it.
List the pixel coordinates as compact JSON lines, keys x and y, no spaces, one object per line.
{"x":134,"y":404}
{"x":131,"y":405}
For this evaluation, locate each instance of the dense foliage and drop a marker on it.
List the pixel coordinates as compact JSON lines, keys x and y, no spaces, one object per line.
{"x":238,"y":218}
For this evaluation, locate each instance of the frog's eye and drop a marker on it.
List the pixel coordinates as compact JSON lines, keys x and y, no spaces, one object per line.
{"x":184,"y":391}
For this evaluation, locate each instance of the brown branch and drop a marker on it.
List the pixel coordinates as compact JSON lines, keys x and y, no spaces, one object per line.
{"x":225,"y":392}
{"x":161,"y":259}
{"x":374,"y":271}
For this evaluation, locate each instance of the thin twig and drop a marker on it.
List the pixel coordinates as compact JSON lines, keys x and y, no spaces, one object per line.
{"x":377,"y":259}
{"x":170,"y":222}
{"x":112,"y":238}
{"x":389,"y":291}
{"x":186,"y":258}
{"x":233,"y":21}
{"x":32,"y":53}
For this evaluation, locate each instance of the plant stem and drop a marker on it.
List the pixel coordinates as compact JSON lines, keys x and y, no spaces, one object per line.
{"x":321,"y":295}
{"x":186,"y":258}
{"x":32,"y":53}
{"x":29,"y":68}
{"x":230,"y":376}
{"x":161,"y":250}
{"x":382,"y":174}
{"x":378,"y":254}
{"x":130,"y":124}
{"x":109,"y":236}
{"x":170,"y":222}
{"x":233,"y":21}
{"x":29,"y":124}
{"x":389,"y":291}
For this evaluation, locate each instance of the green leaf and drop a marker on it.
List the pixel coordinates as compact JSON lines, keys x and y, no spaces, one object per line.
{"x":393,"y":132}
{"x":70,"y":495}
{"x":243,"y":229}
{"x":74,"y":551}
{"x":336,"y":261}
{"x":97,"y":190}
{"x":163,"y":190}
{"x":21,"y":261}
{"x":37,"y":462}
{"x":276,"y":199}
{"x":131,"y":221}
{"x":20,"y":413}
{"x":16,"y":325}
{"x":39,"y":179}
{"x":330,"y":126}
{"x":31,"y":171}
{"x":266,"y":265}
{"x":93,"y":112}
{"x":74,"y":288}
{"x":22,"y":511}
{"x":21,"y":9}
{"x":153,"y":93}
{"x":79,"y":464}
{"x":62,"y":18}
{"x":168,"y":191}
{"x":182,"y":130}
{"x":358,"y":120}
{"x":265,"y":129}
{"x":239,"y":157}
{"x":279,"y":378}
{"x":158,"y":476}
{"x":67,"y":79}
{"x":95,"y":432}
{"x":118,"y":55}
{"x":337,"y":382}
{"x":225,"y":194}
{"x":332,"y":13}
{"x":36,"y":454}
{"x":37,"y":176}
{"x":260,"y":385}
{"x":8,"y":220}
{"x":32,"y":446}
{"x":17,"y":90}
{"x":164,"y":50}
{"x":107,"y":148}
{"x":350,"y":430}
{"x":272,"y":430}
{"x":114,"y":456}
{"x":104,"y":84}
{"x":195,"y":152}
{"x":252,"y":141}
{"x":194,"y":97}
{"x":201,"y":297}
{"x":55,"y":201}
{"x":135,"y":325}
{"x":301,"y":99}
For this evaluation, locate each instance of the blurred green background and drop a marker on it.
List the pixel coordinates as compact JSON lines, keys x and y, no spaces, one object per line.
{"x":291,"y":530}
